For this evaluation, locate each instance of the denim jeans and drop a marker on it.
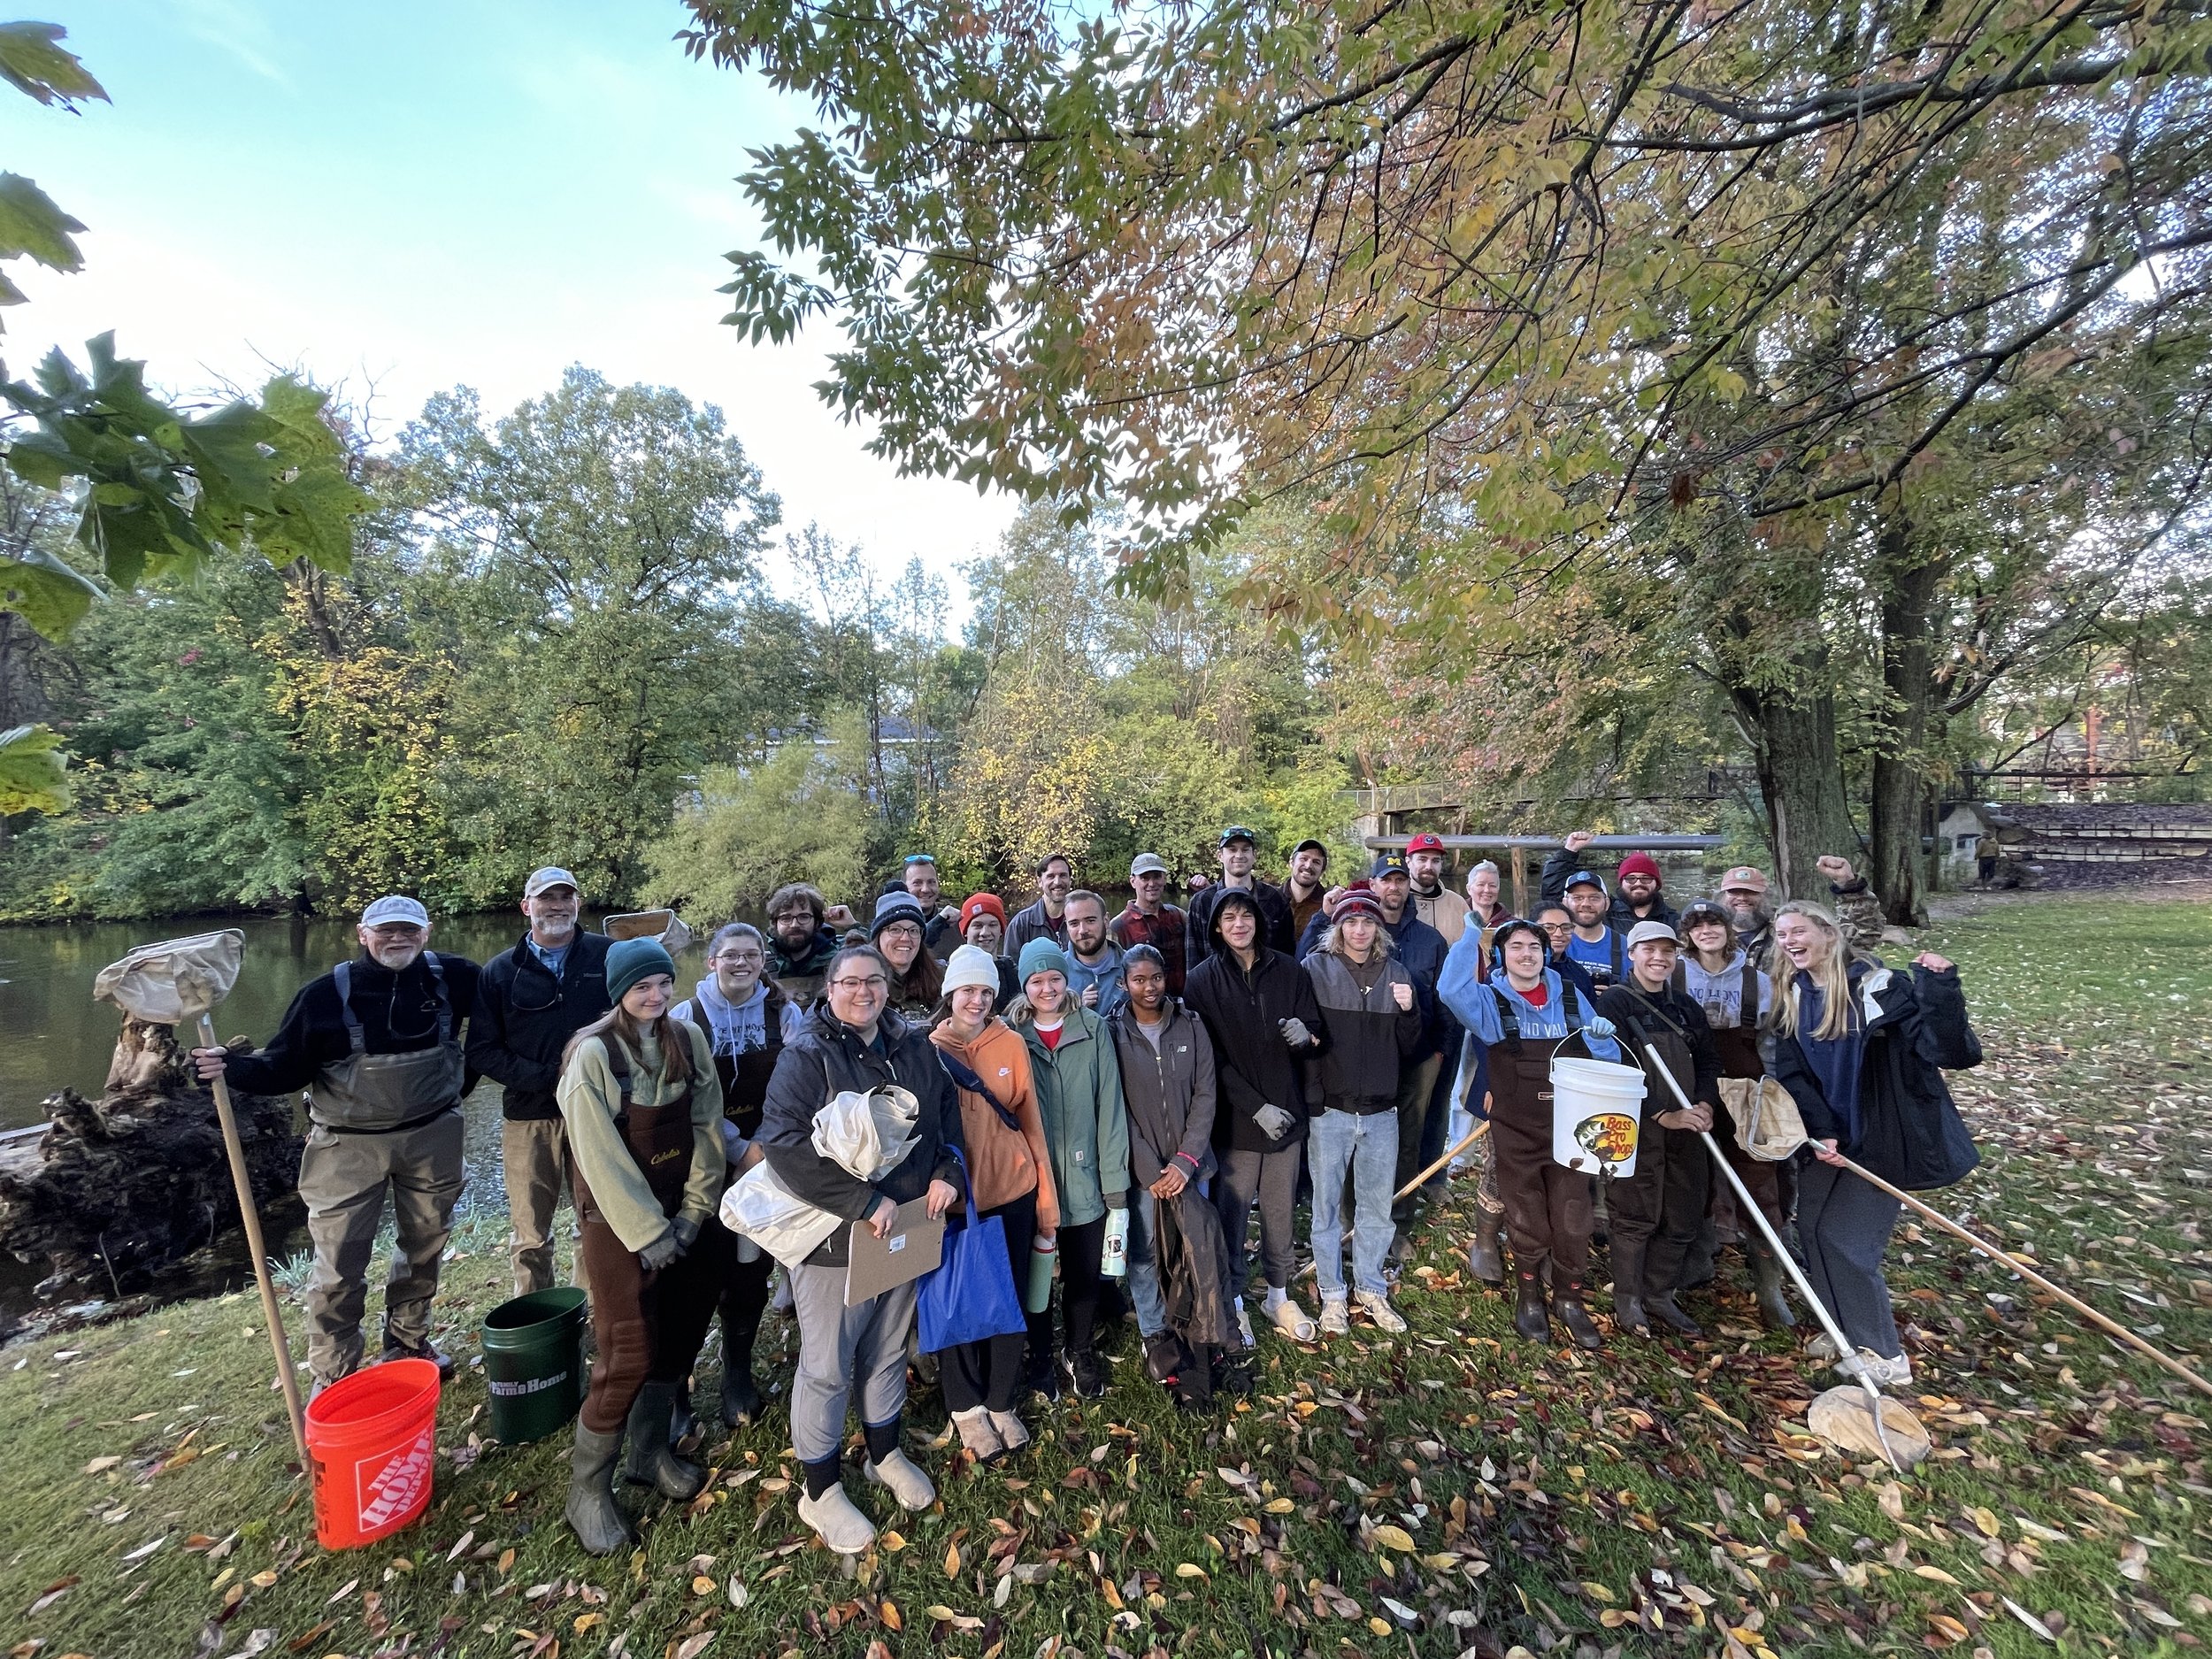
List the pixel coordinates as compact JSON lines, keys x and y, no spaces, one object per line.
{"x":1367,"y":1144}
{"x":1145,"y":1293}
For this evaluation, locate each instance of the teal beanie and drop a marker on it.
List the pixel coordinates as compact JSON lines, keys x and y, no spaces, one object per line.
{"x":630,"y":960}
{"x":1041,"y":955}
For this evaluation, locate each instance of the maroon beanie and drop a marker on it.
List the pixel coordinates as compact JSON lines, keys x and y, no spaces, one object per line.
{"x":1641,"y":864}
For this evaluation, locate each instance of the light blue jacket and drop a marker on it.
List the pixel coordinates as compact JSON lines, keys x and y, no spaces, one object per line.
{"x":1477,"y":1007}
{"x":1113,"y":995}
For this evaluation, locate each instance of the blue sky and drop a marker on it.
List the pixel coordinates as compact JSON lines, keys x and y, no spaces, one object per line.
{"x":414,"y":195}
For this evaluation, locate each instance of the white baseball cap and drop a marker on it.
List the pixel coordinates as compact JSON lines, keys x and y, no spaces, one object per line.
{"x":393,"y":907}
{"x":1643,"y":933}
{"x":552,"y":876}
{"x":1147,"y":864}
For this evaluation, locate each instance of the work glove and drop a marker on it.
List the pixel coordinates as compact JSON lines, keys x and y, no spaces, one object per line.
{"x":660,"y":1253}
{"x":1294,"y":1032}
{"x":1118,"y":1201}
{"x":1274,"y":1122}
{"x":1598,"y":1025}
{"x":686,"y":1231}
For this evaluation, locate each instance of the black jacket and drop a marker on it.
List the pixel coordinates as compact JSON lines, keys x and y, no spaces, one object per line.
{"x":827,"y":1058}
{"x":1370,"y":1036}
{"x":1674,"y":1023}
{"x":1909,"y":1133}
{"x":1621,"y":913}
{"x":1198,"y":921}
{"x":398,"y":1015}
{"x":1419,"y":949}
{"x":525,"y":1018}
{"x":1252,"y":1066}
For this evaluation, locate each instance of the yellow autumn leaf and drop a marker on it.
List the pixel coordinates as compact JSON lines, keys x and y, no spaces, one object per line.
{"x":1395,"y":1538}
{"x":889,"y":1614}
{"x":952,"y":1561}
{"x":1597,"y":1592}
{"x":586,"y":1621}
{"x":892,"y":1541}
{"x":1185,"y":1569}
{"x":1381,"y":1627}
{"x":1280,"y":1506}
{"x":1614,"y":1618}
{"x":262,"y":1581}
{"x":938,"y":1609}
{"x":1987,"y":1521}
{"x":1937,"y":1573}
{"x":703,"y":1586}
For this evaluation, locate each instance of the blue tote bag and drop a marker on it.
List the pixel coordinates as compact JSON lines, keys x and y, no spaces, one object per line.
{"x":970,"y":1297}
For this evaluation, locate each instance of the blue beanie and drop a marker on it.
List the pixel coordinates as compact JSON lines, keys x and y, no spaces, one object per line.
{"x":1041,"y":955}
{"x":897,"y":907}
{"x":630,"y":960}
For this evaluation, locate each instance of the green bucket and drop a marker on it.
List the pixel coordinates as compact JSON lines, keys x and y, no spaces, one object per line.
{"x":534,"y":1358}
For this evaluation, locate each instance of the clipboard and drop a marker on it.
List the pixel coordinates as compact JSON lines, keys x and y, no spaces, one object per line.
{"x":915,"y":1245}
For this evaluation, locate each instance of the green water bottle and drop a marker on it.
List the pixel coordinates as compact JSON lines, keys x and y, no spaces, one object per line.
{"x":1043,"y":1255}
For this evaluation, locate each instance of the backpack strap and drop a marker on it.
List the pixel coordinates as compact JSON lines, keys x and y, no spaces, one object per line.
{"x":1509,"y":1017}
{"x":1747,"y":1010}
{"x":965,"y":1076}
{"x":619,"y":1063}
{"x":341,"y":977}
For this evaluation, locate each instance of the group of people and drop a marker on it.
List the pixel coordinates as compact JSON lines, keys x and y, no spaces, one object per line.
{"x":1109,"y":1085}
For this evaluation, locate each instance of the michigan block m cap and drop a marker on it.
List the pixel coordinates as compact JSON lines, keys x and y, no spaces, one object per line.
{"x":393,"y":907}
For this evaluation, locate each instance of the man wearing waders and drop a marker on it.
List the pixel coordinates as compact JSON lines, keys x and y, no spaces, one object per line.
{"x":376,"y":1042}
{"x":1523,"y":1014}
{"x":1657,"y":1212}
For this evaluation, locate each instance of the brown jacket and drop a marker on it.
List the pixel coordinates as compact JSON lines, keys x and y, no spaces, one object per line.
{"x":1002,"y":1164}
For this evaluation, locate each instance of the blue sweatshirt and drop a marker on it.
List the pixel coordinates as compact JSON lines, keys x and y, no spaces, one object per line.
{"x":1477,"y":1007}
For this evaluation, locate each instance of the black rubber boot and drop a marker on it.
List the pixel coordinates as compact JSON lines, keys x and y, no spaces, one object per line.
{"x":740,"y":1394}
{"x":1566,"y":1305}
{"x":596,"y":1518}
{"x":1696,"y":1269}
{"x":1530,"y":1316}
{"x":1766,"y":1280}
{"x":1663,"y":1271}
{"x":683,"y":1423}
{"x":1628,"y":1289}
{"x":1660,"y":1304}
{"x":1485,"y":1260}
{"x":651,"y":1462}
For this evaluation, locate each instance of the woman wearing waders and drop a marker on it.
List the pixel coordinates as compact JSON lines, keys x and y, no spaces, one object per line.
{"x":1009,"y":1176}
{"x":1522,"y":1015}
{"x":1720,"y":977}
{"x":1657,"y":1212}
{"x":642,"y":1107}
{"x":744,"y":1015}
{"x":1862,"y":1051}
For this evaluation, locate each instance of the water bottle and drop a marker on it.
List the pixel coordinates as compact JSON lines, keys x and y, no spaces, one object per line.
{"x":1114,"y":1254}
{"x":1043,"y":1255}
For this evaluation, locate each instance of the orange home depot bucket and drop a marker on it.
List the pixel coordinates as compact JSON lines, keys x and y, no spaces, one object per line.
{"x":372,"y":1437}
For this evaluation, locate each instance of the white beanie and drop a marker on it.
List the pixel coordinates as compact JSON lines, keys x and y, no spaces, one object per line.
{"x":971,"y":965}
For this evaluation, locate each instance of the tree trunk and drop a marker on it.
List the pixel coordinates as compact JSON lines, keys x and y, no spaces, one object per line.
{"x":1794,"y":750}
{"x":1908,"y":576}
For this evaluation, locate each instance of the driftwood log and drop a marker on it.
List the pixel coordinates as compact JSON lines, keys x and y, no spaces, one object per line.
{"x":122,"y":1194}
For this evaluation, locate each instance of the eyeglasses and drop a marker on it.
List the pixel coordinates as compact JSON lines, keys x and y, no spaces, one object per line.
{"x":1557,"y":927}
{"x":874,"y":982}
{"x":734,"y":958}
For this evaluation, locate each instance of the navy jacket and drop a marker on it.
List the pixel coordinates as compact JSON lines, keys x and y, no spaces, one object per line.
{"x":525,"y":1018}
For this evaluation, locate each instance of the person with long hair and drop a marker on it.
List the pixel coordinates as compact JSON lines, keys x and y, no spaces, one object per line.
{"x":1009,"y":1176}
{"x":746,"y":1018}
{"x":1862,"y":1051}
{"x":1524,"y":1014}
{"x":1720,"y":976}
{"x":1086,"y":1134}
{"x":642,"y":1105}
{"x":1366,"y":998}
{"x":898,"y":932}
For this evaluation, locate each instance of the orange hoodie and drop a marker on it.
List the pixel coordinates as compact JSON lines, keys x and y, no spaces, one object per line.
{"x":1003,"y":1164}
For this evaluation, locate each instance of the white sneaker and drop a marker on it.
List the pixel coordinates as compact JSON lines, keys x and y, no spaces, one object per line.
{"x":1292,"y":1321}
{"x":1883,"y":1373}
{"x":905,"y":1478}
{"x":1013,"y":1432}
{"x":836,"y":1522}
{"x":1378,"y":1309}
{"x":980,"y":1435}
{"x":1335,"y":1321}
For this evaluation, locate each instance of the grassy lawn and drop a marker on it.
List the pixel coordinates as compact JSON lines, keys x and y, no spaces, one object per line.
{"x":1449,"y":1491}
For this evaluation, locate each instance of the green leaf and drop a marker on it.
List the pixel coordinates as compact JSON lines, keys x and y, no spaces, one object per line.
{"x":31,"y":224}
{"x":49,"y":595}
{"x":33,"y":772}
{"x":32,"y":61}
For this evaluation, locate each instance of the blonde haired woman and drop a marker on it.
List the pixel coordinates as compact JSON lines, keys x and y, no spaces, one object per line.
{"x":1862,"y":1051}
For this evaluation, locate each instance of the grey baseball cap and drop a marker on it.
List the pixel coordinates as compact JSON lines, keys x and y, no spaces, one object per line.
{"x":393,"y":907}
{"x":552,"y":876}
{"x":1644,"y":933}
{"x":1147,"y":864}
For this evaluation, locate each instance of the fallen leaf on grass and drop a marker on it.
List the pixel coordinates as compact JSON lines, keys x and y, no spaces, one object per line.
{"x":100,"y":1464}
{"x":1948,"y":1628}
{"x":1936,"y":1573}
{"x":952,"y":1561}
{"x":1394,"y":1538}
{"x":50,"y":1594}
{"x":2135,"y":1561}
{"x":739,"y":1595}
{"x":305,"y":1639}
{"x":692,"y":1647}
{"x":1185,"y":1569}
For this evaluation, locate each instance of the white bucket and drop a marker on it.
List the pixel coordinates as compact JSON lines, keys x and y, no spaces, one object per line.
{"x":1596,"y":1109}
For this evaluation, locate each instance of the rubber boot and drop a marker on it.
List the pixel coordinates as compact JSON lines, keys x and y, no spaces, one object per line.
{"x":1485,"y":1260}
{"x":1530,"y":1316}
{"x":1663,"y":1271}
{"x":683,"y":1423}
{"x":740,"y":1394}
{"x":1696,"y":1270}
{"x":595,"y":1518}
{"x":651,"y":1462}
{"x":1566,"y":1304}
{"x":1628,"y":1288}
{"x":1766,"y":1280}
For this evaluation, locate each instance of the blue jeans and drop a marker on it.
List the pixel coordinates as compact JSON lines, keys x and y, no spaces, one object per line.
{"x":1367,"y":1144}
{"x":1145,"y":1293}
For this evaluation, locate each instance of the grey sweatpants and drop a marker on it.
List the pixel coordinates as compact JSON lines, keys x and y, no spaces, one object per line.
{"x":842,"y":1350}
{"x":343,"y":1182}
{"x":1270,"y":1179}
{"x":1843,"y":1225}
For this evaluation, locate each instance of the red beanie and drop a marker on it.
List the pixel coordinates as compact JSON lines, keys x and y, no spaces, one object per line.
{"x":982,"y":904}
{"x":1639,"y":865}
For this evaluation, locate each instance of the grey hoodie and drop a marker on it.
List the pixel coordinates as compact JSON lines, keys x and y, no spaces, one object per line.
{"x":1169,"y":1095}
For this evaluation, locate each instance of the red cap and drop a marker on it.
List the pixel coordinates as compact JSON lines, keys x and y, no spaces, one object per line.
{"x":1425,"y":842}
{"x":1639,"y":865}
{"x":982,"y":904}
